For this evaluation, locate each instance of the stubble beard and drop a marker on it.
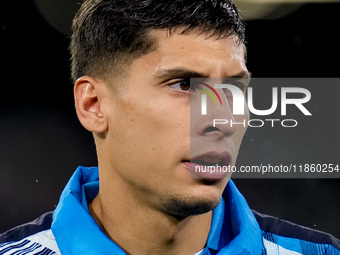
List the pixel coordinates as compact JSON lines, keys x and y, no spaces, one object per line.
{"x":181,"y":208}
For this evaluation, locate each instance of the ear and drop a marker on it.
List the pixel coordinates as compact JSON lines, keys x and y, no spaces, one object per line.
{"x":87,"y":102}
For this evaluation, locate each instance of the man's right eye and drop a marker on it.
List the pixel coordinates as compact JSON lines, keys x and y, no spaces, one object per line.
{"x":181,"y":85}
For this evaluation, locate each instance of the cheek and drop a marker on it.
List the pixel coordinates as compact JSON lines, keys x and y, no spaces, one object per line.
{"x":149,"y":128}
{"x":147,"y":143}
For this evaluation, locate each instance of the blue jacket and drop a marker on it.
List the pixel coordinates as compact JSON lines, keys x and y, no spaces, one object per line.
{"x":235,"y":229}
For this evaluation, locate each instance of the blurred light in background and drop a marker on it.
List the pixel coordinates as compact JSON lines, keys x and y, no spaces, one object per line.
{"x":59,"y":13}
{"x":251,"y":10}
{"x":272,"y":9}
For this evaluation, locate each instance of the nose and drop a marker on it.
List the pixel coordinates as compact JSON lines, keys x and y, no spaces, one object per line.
{"x":218,"y":121}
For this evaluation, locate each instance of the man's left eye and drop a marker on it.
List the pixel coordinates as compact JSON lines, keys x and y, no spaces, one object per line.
{"x":182,"y":85}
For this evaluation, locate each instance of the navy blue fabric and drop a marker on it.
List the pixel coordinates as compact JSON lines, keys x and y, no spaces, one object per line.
{"x":288,"y":229}
{"x":40,"y":224}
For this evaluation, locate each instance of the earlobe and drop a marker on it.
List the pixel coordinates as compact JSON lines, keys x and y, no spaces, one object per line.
{"x":88,"y":104}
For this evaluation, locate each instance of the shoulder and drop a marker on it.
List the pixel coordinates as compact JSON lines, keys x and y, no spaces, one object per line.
{"x":40,"y":224}
{"x":34,"y":237}
{"x":282,"y":233}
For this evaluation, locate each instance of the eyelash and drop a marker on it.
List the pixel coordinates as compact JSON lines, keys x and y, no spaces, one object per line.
{"x":240,"y":85}
{"x":179,"y":83}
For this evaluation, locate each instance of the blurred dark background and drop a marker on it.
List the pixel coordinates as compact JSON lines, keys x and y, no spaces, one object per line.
{"x":42,"y":142}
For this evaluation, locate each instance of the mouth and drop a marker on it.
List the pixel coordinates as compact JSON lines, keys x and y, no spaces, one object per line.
{"x":211,"y":165}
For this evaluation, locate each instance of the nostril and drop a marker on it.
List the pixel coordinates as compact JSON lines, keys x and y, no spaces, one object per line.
{"x":211,"y":129}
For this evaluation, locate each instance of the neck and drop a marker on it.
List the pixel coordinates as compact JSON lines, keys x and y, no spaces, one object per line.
{"x":139,"y":229}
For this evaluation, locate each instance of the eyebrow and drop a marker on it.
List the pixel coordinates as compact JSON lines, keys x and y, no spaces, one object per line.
{"x":167,"y":74}
{"x":242,"y":74}
{"x":178,"y":73}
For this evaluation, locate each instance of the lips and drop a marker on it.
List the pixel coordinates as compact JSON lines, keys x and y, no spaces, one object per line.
{"x":211,"y":165}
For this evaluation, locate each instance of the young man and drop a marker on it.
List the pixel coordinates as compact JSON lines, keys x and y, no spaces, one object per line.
{"x":131,"y":63}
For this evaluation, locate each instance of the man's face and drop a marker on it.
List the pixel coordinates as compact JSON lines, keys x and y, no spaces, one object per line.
{"x":147,"y":146}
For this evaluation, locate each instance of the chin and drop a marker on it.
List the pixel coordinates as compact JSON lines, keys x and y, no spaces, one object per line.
{"x":183,"y":206}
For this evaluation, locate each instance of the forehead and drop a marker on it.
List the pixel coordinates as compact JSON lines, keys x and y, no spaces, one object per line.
{"x":207,"y":56}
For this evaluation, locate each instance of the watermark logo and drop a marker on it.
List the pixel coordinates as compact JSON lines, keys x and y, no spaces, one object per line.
{"x":241,"y":96}
{"x":280,"y":116}
{"x":204,"y":97}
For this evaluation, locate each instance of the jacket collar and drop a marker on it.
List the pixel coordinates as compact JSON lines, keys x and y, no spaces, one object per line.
{"x":234,"y":229}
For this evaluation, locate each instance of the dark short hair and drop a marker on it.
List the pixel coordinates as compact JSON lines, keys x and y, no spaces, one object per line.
{"x":109,"y":33}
